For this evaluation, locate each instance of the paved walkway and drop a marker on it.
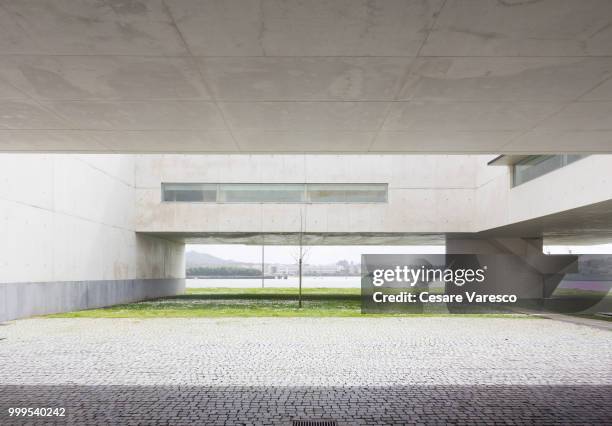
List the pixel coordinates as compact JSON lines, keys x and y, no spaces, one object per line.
{"x":590,"y":322}
{"x":271,"y":371}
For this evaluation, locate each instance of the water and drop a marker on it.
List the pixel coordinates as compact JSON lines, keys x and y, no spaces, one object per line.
{"x":307,"y":282}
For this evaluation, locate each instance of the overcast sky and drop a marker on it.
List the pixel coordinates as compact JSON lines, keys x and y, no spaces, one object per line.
{"x":332,"y":254}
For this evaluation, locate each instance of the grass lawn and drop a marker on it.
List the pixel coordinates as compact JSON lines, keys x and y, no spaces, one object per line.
{"x":251,"y":302}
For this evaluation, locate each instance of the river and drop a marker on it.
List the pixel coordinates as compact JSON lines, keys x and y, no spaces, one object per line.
{"x":307,"y":282}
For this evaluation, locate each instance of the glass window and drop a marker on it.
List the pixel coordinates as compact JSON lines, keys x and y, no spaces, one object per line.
{"x":189,"y":192}
{"x":274,"y":192}
{"x":574,"y":157}
{"x":261,"y":193}
{"x":537,"y":165}
{"x":347,"y":193}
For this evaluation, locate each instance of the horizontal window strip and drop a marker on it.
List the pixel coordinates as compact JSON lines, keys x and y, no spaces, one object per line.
{"x":275,"y":192}
{"x":535,"y":166}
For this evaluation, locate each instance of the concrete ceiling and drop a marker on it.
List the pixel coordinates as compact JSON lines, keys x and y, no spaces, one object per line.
{"x":427,"y":76}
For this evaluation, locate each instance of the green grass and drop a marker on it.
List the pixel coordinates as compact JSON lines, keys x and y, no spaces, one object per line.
{"x":251,"y":302}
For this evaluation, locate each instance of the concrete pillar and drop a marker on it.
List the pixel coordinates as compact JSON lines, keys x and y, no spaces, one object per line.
{"x":515,"y":265}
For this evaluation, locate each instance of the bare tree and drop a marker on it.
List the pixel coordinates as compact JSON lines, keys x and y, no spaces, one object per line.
{"x":263,"y":273}
{"x":302,"y":253}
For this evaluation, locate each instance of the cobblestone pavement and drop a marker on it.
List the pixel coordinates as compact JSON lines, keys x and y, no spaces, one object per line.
{"x":273,"y":370}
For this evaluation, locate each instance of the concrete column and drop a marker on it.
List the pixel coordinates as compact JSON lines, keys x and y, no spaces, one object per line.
{"x":517,"y":265}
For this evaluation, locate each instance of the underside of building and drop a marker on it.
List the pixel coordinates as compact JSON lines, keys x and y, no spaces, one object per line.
{"x":129,"y":129}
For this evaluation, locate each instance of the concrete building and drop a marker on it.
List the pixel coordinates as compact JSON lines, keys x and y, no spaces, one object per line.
{"x":346,"y":111}
{"x":68,"y":240}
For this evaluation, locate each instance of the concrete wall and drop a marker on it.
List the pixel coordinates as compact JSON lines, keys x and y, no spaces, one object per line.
{"x":67,"y":237}
{"x":21,"y":300}
{"x":521,"y":268}
{"x":74,"y":222}
{"x":426,"y":193}
{"x":581,"y":183}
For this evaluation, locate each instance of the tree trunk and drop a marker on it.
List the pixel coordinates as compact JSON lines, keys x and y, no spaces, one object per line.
{"x":300,"y":284}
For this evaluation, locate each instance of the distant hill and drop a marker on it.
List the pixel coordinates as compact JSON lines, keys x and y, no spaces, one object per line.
{"x":193,"y":259}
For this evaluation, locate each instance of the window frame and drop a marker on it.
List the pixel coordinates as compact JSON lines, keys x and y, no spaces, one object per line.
{"x":195,"y":184}
{"x":305,"y":193}
{"x":220,"y":201}
{"x":564,"y":159}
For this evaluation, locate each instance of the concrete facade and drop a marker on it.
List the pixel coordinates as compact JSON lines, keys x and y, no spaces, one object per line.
{"x":427,"y":194}
{"x":585,"y":182}
{"x":82,"y":231}
{"x":21,"y":300}
{"x":67,"y":238}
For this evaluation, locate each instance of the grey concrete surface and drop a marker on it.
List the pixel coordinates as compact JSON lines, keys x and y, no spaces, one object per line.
{"x":21,"y":300}
{"x":601,"y":323}
{"x":272,"y":370}
{"x":487,"y":76}
{"x":427,"y":194}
